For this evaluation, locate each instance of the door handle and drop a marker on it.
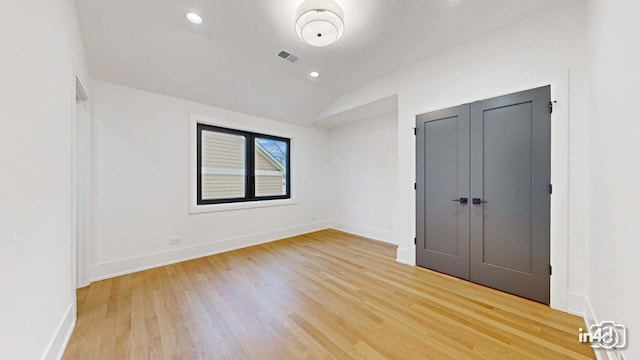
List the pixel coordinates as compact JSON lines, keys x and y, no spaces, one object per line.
{"x":478,"y":201}
{"x":462,"y":200}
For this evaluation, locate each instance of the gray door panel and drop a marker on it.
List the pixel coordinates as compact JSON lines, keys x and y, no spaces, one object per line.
{"x":507,"y":182}
{"x":510,"y":171}
{"x":442,"y":234}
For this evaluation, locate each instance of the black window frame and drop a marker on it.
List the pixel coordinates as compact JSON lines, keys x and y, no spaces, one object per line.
{"x":249,"y":162}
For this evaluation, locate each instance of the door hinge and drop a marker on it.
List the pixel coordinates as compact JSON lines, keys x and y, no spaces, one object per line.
{"x":550,"y":270}
{"x":415,"y":241}
{"x":551,"y":106}
{"x":415,"y":186}
{"x":415,"y":131}
{"x":550,"y":189}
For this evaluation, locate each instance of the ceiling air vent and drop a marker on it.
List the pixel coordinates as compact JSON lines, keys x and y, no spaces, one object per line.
{"x":286,"y":56}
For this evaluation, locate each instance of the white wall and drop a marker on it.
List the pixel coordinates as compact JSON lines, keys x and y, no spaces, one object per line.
{"x":363,"y":172}
{"x":142,"y":151}
{"x":42,"y":53}
{"x":546,"y":48}
{"x":614,"y":287}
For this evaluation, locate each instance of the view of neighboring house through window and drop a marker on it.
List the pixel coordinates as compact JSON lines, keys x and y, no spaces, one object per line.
{"x":270,"y":166}
{"x":237,"y":166}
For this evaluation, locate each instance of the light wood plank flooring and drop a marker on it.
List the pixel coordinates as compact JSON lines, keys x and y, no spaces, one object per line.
{"x":325,"y":295}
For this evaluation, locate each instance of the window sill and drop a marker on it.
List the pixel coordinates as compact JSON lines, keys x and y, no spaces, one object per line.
{"x":200,"y":209}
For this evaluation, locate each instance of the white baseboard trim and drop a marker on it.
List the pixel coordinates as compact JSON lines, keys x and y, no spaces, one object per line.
{"x":134,"y":264}
{"x":580,"y":305}
{"x":364,"y":231}
{"x":577,"y":304}
{"x":590,"y":319}
{"x":58,"y":344}
{"x":402,"y":256}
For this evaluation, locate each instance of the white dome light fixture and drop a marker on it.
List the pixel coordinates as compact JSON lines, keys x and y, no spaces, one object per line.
{"x":319,"y":22}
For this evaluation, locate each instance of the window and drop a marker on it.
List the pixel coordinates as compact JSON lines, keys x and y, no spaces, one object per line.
{"x":238,"y":166}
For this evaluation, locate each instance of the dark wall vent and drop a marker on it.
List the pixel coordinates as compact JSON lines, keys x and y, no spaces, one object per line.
{"x":287,"y":56}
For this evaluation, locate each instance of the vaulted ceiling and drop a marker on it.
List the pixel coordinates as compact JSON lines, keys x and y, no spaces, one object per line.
{"x":229,"y":61}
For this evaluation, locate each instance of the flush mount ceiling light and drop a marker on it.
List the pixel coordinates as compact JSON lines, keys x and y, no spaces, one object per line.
{"x":194,"y":18}
{"x":319,"y":22}
{"x":314,"y":74}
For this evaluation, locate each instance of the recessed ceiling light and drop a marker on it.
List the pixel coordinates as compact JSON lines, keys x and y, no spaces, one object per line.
{"x":314,"y":74}
{"x":194,"y":18}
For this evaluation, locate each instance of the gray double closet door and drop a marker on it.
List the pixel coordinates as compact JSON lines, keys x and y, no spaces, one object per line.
{"x":483,"y":192}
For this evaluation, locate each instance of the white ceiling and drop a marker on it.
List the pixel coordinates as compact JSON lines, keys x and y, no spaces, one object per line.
{"x":229,"y":61}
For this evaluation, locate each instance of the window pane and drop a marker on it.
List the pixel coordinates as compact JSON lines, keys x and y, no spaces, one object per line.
{"x":271,"y":167}
{"x":223,"y":165}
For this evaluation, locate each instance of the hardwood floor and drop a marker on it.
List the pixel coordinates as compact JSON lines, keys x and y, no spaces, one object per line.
{"x":325,"y":295}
